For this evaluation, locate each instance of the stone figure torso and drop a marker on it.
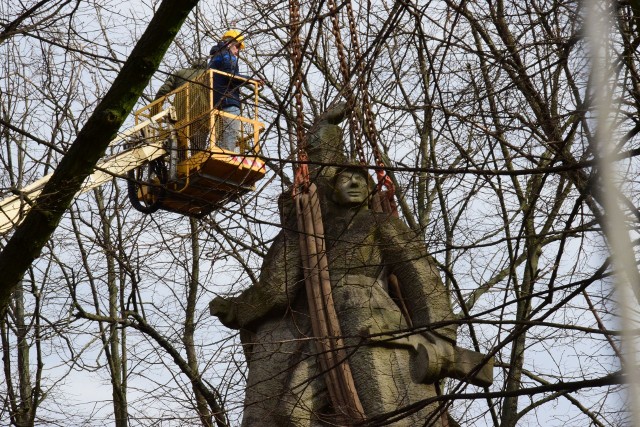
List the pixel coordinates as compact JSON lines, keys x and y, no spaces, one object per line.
{"x":285,"y":385}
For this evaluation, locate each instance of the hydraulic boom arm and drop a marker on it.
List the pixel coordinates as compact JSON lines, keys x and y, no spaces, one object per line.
{"x":14,"y":208}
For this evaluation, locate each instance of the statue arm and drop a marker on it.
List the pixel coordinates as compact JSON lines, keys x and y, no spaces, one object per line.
{"x":423,"y":292}
{"x":280,"y":279}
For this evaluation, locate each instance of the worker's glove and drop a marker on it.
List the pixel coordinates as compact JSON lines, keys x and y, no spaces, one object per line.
{"x":225,"y":310}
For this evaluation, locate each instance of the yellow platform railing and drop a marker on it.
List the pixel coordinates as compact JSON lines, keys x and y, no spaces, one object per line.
{"x":198,"y":123}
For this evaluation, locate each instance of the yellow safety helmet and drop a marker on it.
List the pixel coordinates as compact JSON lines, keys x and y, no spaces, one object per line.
{"x":235,"y":35}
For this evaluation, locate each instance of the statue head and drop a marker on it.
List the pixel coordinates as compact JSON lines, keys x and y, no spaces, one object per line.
{"x":352,"y":187}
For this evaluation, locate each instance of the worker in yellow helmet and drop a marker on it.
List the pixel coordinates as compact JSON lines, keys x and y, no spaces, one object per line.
{"x":226,"y":89}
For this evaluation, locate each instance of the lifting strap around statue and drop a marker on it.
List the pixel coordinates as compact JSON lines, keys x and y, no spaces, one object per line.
{"x":332,"y":354}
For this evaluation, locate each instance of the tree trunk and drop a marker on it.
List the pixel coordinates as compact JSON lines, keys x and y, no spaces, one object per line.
{"x":189,"y":325}
{"x":115,"y":355}
{"x":92,"y":140}
{"x":510,"y":407}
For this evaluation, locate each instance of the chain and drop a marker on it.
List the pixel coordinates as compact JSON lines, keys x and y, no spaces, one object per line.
{"x":368,"y":127}
{"x":347,"y":89}
{"x":302,"y":172}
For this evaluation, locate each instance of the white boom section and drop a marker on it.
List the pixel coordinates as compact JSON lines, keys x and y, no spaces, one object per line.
{"x":14,"y":208}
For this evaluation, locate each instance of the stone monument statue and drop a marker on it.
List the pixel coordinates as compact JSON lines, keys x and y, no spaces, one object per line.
{"x":394,"y":369}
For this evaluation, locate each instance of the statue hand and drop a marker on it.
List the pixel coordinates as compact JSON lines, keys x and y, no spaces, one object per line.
{"x":335,"y":114}
{"x":432,"y":359}
{"x":225,"y":310}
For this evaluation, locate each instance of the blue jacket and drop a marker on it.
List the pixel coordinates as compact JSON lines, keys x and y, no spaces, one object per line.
{"x":226,"y":90}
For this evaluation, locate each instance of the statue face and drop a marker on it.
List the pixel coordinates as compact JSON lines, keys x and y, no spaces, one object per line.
{"x":350,"y":188}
